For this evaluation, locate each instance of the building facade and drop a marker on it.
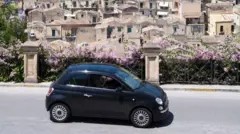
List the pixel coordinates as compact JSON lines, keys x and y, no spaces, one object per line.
{"x":220,"y":19}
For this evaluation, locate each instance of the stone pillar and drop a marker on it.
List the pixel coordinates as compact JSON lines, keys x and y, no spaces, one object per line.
{"x":30,"y":51}
{"x":151,"y":52}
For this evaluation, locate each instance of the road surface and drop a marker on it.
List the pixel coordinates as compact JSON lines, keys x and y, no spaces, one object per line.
{"x":22,"y":111}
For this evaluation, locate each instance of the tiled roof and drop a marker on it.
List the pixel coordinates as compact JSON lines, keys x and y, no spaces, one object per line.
{"x":152,"y":28}
{"x":218,"y":7}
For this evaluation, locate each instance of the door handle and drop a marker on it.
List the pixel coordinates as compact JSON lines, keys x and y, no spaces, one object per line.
{"x":87,"y":95}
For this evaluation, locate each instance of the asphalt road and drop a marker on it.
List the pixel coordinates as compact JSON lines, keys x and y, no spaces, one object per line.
{"x":22,"y":111}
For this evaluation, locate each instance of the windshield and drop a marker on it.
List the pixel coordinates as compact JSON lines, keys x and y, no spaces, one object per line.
{"x":127,"y":77}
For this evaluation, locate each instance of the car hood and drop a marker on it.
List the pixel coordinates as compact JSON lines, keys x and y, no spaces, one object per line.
{"x":151,"y":89}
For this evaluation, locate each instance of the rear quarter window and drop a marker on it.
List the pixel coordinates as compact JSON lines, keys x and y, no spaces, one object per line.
{"x":77,"y":79}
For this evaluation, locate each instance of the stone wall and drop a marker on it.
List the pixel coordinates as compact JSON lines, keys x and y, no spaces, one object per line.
{"x":86,"y":34}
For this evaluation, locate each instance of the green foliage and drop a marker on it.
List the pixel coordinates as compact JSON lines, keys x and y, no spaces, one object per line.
{"x":199,"y":72}
{"x":11,"y":35}
{"x":11,"y":27}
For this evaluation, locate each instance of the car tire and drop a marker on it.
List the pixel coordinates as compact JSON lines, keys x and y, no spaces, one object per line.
{"x":59,"y":112}
{"x":141,"y":117}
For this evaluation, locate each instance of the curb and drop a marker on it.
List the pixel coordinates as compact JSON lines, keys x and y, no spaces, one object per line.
{"x":172,"y":87}
{"x":202,"y":90}
{"x":25,"y":85}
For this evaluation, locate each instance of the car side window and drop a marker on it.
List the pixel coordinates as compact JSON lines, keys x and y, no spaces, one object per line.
{"x":78,"y":79}
{"x":102,"y":81}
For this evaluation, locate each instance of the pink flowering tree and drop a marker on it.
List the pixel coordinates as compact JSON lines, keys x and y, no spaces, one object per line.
{"x":181,"y":62}
{"x":53,"y":61}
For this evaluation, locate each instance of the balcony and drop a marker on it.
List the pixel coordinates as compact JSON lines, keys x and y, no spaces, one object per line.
{"x":221,"y":33}
{"x":163,"y":4}
{"x":70,"y":37}
{"x":195,"y":30}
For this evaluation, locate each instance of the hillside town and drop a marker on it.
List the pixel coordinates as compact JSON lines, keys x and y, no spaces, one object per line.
{"x":123,"y":22}
{"x":119,"y":66}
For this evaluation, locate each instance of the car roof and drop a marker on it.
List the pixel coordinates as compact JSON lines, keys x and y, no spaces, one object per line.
{"x":96,"y":67}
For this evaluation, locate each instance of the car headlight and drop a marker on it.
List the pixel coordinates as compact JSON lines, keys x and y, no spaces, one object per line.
{"x":159,"y":101}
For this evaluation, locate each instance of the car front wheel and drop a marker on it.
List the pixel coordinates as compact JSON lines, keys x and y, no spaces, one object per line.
{"x":59,"y":113}
{"x":141,"y":117}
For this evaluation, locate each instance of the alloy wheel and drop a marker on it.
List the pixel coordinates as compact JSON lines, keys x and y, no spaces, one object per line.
{"x":141,"y":117}
{"x":59,"y":113}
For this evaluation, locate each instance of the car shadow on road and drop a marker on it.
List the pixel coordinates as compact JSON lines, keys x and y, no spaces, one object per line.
{"x":163,"y":123}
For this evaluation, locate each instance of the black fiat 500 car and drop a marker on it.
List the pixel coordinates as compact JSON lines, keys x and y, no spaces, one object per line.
{"x":105,"y":91}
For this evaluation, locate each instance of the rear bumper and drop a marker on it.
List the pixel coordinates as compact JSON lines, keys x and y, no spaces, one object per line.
{"x":47,"y":103}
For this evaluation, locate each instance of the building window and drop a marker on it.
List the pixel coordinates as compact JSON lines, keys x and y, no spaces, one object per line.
{"x":232,"y":28}
{"x":129,"y":29}
{"x":78,"y":79}
{"x":175,"y":29}
{"x":73,"y":32}
{"x":74,"y":4}
{"x":87,"y":3}
{"x":106,"y":4}
{"x":53,"y":33}
{"x":176,"y":4}
{"x":109,"y":32}
{"x":151,"y":5}
{"x":48,"y":5}
{"x":141,"y":5}
{"x":82,"y":15}
{"x":221,"y":28}
{"x":65,"y":17}
{"x":64,"y":5}
{"x":94,"y":19}
{"x":119,"y":29}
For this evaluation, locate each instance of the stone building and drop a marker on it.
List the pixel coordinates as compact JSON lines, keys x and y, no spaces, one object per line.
{"x":71,"y":30}
{"x":75,"y":5}
{"x":55,"y":13}
{"x":164,"y":8}
{"x":174,"y":26}
{"x":190,"y":11}
{"x":148,"y":7}
{"x":127,"y":10}
{"x":45,"y":15}
{"x":36,"y":15}
{"x":236,"y":19}
{"x":126,"y":29}
{"x":46,"y":4}
{"x":92,"y":17}
{"x":220,"y":18}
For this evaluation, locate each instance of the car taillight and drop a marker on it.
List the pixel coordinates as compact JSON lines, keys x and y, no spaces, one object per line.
{"x":50,"y":91}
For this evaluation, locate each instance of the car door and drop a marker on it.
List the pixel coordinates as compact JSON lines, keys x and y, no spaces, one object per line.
{"x":75,"y":85}
{"x":102,"y":98}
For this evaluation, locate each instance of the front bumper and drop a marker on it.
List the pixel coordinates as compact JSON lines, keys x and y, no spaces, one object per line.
{"x":159,"y":115}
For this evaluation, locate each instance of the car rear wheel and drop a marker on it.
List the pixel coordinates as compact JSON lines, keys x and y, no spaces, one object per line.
{"x":141,"y":117}
{"x":59,"y":113}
